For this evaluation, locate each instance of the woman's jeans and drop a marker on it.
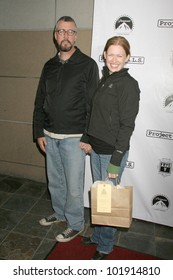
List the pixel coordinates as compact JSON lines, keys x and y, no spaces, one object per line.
{"x":104,"y":236}
{"x":65,"y":171}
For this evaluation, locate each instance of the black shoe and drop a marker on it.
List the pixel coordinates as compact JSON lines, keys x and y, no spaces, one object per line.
{"x":87,"y":241}
{"x":99,"y":256}
{"x":67,"y":235}
{"x":47,"y":221}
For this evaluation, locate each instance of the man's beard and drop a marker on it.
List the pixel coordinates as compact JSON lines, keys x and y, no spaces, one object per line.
{"x":66,"y":47}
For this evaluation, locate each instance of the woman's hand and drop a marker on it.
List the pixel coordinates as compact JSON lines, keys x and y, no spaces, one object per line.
{"x":86,"y":147}
{"x":112,"y":176}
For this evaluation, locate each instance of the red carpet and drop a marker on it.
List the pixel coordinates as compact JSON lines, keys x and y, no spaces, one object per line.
{"x":76,"y":250}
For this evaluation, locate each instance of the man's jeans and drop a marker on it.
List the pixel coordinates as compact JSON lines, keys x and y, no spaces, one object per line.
{"x":65,"y":170}
{"x":104,"y":236}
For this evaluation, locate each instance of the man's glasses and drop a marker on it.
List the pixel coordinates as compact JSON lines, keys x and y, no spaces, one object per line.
{"x":69,"y":32}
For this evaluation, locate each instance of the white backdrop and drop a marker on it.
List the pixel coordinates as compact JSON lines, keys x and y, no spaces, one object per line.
{"x":148,"y":26}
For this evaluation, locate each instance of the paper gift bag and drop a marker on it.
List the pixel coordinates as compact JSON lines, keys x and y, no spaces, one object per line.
{"x":111,"y":205}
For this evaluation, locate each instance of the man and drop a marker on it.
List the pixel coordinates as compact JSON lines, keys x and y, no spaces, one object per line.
{"x":62,"y":106}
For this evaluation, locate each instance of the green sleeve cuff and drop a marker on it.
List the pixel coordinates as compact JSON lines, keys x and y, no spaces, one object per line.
{"x":113,"y":169}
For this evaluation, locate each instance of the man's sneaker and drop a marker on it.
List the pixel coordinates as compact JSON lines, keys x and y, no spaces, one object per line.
{"x":47,"y":221}
{"x":67,"y":235}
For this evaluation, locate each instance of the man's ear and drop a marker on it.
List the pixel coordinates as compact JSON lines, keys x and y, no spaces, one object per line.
{"x":55,"y":35}
{"x":75,"y":38}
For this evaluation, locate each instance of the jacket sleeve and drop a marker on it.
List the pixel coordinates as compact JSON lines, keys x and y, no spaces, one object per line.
{"x":128,"y":103}
{"x":38,"y":115}
{"x":92,"y":84}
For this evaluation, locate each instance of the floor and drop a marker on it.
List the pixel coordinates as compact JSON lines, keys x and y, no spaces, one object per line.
{"x":24,"y":202}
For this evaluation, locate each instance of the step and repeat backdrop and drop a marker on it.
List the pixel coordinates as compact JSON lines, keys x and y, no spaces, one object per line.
{"x":148,"y":26}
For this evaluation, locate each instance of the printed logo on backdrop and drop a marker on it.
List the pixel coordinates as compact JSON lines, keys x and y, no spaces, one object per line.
{"x":130,"y":164}
{"x":159,"y":134}
{"x":123,"y":25}
{"x":132,"y":60}
{"x":101,"y":58}
{"x":136,"y":60}
{"x":168,"y":103}
{"x":165,"y":167}
{"x":160,"y":203}
{"x":165,"y":23}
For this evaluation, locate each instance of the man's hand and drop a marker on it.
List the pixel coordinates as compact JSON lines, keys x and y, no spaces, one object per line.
{"x":42,"y":143}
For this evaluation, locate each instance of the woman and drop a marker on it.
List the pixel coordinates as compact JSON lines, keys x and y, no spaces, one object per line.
{"x":112,"y":121}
